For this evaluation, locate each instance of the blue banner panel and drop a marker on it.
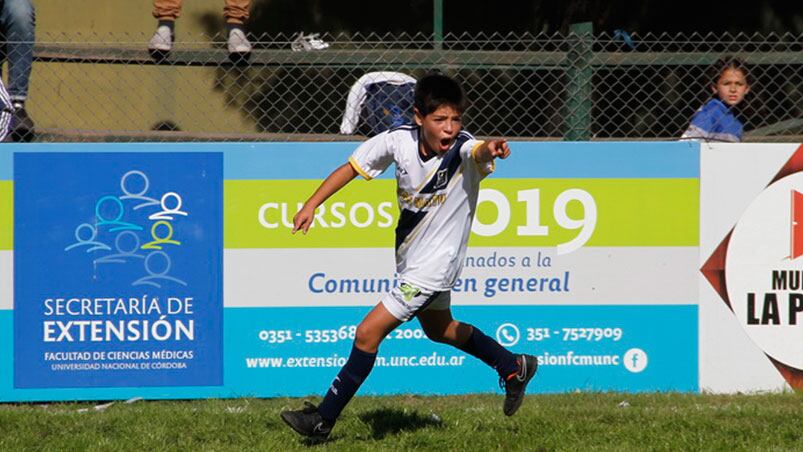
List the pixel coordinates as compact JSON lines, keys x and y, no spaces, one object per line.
{"x":297,"y":351}
{"x":118,"y":269}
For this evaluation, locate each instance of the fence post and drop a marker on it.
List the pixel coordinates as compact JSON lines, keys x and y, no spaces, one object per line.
{"x":578,"y":90}
{"x":437,"y":24}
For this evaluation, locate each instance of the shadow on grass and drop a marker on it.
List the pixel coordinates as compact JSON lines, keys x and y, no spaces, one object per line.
{"x":386,"y":421}
{"x":309,"y":442}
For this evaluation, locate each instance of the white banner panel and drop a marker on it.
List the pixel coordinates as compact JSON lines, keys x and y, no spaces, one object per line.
{"x":732,"y":176}
{"x":491,"y":276}
{"x":6,"y":279}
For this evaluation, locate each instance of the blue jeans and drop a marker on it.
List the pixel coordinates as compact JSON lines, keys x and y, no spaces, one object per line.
{"x":17,"y":23}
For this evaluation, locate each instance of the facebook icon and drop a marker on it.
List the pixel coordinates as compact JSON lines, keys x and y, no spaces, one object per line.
{"x":635,"y":360}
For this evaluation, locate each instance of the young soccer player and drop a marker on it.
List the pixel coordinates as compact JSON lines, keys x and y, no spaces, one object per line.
{"x":438,"y":170}
{"x":715,"y":120}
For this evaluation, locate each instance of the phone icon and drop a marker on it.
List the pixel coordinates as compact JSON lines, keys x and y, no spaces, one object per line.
{"x":507,"y":334}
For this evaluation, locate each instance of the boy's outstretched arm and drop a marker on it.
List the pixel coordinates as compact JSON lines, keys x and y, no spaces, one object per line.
{"x":492,"y":149}
{"x":334,"y":182}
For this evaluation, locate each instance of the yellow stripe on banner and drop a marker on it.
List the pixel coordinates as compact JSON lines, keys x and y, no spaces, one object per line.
{"x":6,"y":215}
{"x":515,"y":212}
{"x":629,"y":212}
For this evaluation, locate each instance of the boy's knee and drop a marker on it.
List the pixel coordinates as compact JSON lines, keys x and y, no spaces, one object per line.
{"x":441,"y":334}
{"x":366,"y":339}
{"x":452,"y":333}
{"x":436,"y":334}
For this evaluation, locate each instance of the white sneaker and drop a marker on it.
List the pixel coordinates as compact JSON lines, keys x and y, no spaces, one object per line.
{"x":162,"y":40}
{"x":308,"y":42}
{"x":316,"y":43}
{"x":238,"y":43}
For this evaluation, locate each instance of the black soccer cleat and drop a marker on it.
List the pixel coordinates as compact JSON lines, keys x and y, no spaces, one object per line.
{"x":515,"y":384}
{"x":307,"y":422}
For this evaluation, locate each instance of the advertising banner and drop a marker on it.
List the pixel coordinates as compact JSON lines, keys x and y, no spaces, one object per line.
{"x":118,"y":269}
{"x":170,"y":271}
{"x":752,"y":295}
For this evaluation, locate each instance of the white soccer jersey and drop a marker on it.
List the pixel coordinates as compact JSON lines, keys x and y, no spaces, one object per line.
{"x":437,"y":201}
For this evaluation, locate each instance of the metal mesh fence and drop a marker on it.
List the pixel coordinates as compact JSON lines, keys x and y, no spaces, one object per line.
{"x":575,"y":86}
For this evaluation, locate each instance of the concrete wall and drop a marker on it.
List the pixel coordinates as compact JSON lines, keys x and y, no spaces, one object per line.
{"x":93,"y":96}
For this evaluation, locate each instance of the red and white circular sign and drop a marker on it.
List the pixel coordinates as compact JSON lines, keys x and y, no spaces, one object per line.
{"x":764,"y":270}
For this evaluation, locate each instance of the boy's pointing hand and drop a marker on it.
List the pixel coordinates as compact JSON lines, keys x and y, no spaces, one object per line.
{"x":499,"y":148}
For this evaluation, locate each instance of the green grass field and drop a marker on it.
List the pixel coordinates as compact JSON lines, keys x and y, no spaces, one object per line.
{"x":579,"y":421}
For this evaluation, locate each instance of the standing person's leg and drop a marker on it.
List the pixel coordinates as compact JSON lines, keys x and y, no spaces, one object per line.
{"x":18,"y":18}
{"x":318,"y":421}
{"x":166,"y":12}
{"x":236,"y":13}
{"x":514,"y":371}
{"x":19,"y":22}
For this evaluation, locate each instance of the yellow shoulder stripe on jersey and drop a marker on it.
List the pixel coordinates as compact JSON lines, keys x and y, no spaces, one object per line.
{"x":475,"y":148}
{"x":482,"y":169}
{"x":359,"y":170}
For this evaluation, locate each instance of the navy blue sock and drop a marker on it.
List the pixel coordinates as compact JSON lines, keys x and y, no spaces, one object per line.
{"x":169,"y":23}
{"x":231,"y":26}
{"x":490,"y":352}
{"x":346,"y":384}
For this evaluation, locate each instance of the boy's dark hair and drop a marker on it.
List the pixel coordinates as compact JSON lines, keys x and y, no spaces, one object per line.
{"x":435,"y":90}
{"x":728,"y":62}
